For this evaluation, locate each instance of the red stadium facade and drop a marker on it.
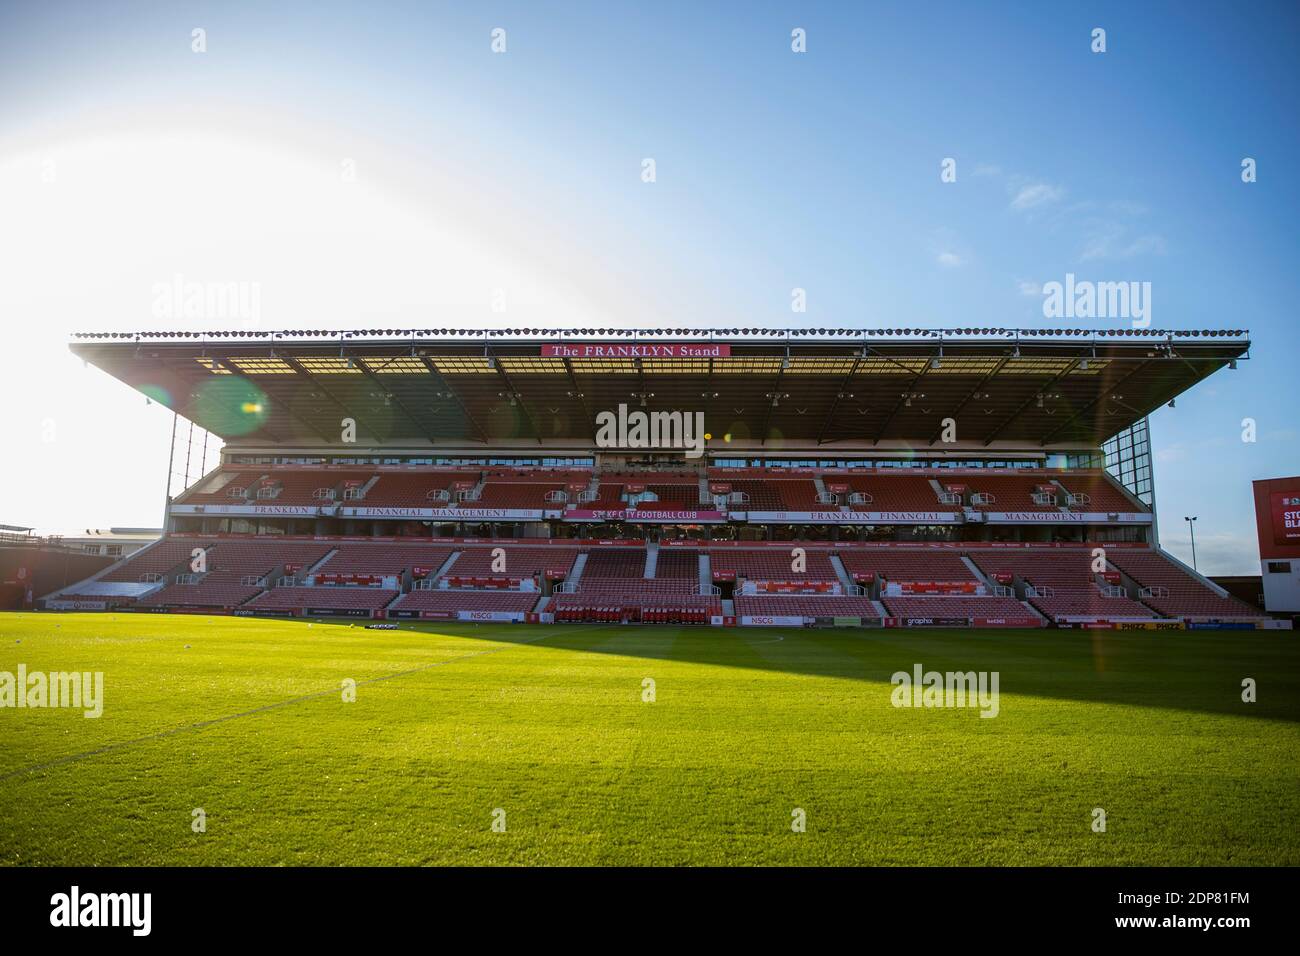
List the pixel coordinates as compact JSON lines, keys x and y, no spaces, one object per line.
{"x":1277,"y":520}
{"x":758,"y":478}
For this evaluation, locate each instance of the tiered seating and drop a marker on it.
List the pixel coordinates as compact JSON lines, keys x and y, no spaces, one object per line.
{"x":216,"y":589}
{"x":516,"y":494}
{"x":1103,"y":494}
{"x":380,"y":560}
{"x":762,"y":495}
{"x":263,"y":555}
{"x":678,"y":566}
{"x":609,"y":496}
{"x":614,"y":587}
{"x":227,"y":482}
{"x":612,"y":606}
{"x":906,"y":566}
{"x":1184,"y":595}
{"x":521,"y":562}
{"x":411,"y":490}
{"x":159,"y":559}
{"x":452,"y":601}
{"x":684,"y":496}
{"x":1011,"y":492}
{"x":1068,"y":573}
{"x":800,"y":494}
{"x":773,"y":564}
{"x":616,"y":566}
{"x":955,"y":607}
{"x":341,"y":598}
{"x":229,"y":563}
{"x":896,"y":493}
{"x":300,"y":487}
{"x":805,"y":605}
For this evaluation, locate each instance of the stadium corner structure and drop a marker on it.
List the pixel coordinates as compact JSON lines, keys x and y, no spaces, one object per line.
{"x":731,"y":477}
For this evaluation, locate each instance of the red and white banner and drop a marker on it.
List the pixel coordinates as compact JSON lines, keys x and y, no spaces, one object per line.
{"x":854,"y":517}
{"x":1066,"y":517}
{"x":645,"y":516}
{"x":900,"y":588}
{"x":637,"y":350}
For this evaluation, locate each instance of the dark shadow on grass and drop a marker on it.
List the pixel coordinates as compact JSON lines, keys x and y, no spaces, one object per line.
{"x":1193,"y":671}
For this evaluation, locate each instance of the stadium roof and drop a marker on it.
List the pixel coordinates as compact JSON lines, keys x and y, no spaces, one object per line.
{"x":840,"y":387}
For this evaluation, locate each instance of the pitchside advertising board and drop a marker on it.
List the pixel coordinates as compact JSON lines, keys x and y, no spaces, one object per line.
{"x":1277,"y":523}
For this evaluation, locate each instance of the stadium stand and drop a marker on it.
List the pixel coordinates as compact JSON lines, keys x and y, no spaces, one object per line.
{"x":353,"y":559}
{"x":307,"y":487}
{"x":805,"y":605}
{"x":774,"y":564}
{"x":223,"y":486}
{"x":1098,"y":493}
{"x":157,"y":560}
{"x":520,"y":562}
{"x":399,"y":490}
{"x":895,"y":493}
{"x":340,"y":598}
{"x":497,"y":493}
{"x":614,"y":606}
{"x":907,"y":567}
{"x":1012,"y":493}
{"x":215,"y":589}
{"x":451,"y":601}
{"x":849,"y":469}
{"x":1173,"y":592}
{"x":619,"y":567}
{"x":1065,"y":582}
{"x":956,"y":608}
{"x":678,"y":566}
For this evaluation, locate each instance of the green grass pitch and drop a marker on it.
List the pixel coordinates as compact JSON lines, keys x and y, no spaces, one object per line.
{"x":548,"y":724}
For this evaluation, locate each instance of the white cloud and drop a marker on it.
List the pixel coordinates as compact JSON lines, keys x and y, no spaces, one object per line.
{"x":1028,"y":287}
{"x":1032,"y":195}
{"x":1111,"y":240}
{"x":950,"y":260}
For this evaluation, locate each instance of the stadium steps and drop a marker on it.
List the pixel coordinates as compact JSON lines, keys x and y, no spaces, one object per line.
{"x":575,"y":574}
{"x":317,"y":566}
{"x":446,"y":565}
{"x":543,"y":604}
{"x":729,"y":607}
{"x":651,"y":560}
{"x":939,"y":490}
{"x":978,"y":574}
{"x":881,"y":609}
{"x":706,"y":572}
{"x":846,"y":581}
{"x":1036,"y":613}
{"x":705,"y":494}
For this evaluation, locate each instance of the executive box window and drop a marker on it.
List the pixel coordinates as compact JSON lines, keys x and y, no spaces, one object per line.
{"x":1279,"y":567}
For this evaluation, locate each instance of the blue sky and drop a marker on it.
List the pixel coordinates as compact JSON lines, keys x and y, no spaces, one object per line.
{"x":520,"y":171}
